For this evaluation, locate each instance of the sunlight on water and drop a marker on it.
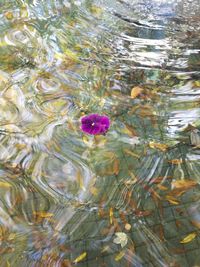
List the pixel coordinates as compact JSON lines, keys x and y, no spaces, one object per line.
{"x":129,"y":197}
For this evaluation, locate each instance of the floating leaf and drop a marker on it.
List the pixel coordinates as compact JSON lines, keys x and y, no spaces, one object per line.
{"x":159,"y":146}
{"x":121,"y":239}
{"x":80,"y":258}
{"x":136,"y":91}
{"x":188,"y":238}
{"x":120,"y":255}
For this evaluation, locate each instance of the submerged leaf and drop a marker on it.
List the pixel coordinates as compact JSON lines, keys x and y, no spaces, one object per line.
{"x":181,"y":184}
{"x":175,"y":161}
{"x":120,"y":255}
{"x":136,"y":91}
{"x":172,"y":200}
{"x":80,"y":258}
{"x":127,"y":226}
{"x":43,"y":214}
{"x":111,"y":215}
{"x":116,"y":167}
{"x":5,"y":185}
{"x":188,"y":238}
{"x":121,"y":239}
{"x":161,"y":147}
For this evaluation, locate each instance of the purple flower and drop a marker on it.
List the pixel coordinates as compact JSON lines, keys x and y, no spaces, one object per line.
{"x":95,"y":124}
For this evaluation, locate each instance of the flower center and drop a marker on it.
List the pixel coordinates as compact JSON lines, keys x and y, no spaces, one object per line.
{"x":93,"y":124}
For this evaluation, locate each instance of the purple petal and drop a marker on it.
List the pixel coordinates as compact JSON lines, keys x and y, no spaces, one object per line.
{"x":105,"y":121}
{"x":95,"y":124}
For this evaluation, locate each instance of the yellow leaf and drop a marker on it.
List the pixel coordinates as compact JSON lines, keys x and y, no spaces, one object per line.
{"x":181,"y":184}
{"x":136,"y":91}
{"x":80,"y":258}
{"x":94,"y":191}
{"x":172,"y":200}
{"x":188,"y":238}
{"x":111,"y":215}
{"x":5,"y":185}
{"x":175,"y":161}
{"x":127,"y":226}
{"x":79,"y":179}
{"x":116,"y":167}
{"x":197,"y":83}
{"x":43,"y":214}
{"x":161,"y":147}
{"x":162,"y":187}
{"x":9,"y":15}
{"x":131,"y":153}
{"x":119,"y":256}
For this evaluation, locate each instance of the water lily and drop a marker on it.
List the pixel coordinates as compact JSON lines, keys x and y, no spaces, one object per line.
{"x":95,"y":124}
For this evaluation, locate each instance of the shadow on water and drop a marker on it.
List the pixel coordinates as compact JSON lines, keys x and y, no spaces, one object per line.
{"x":131,"y":197}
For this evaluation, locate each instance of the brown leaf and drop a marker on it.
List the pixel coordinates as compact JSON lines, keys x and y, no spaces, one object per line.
{"x":141,"y":213}
{"x":116,"y":165}
{"x":136,"y":91}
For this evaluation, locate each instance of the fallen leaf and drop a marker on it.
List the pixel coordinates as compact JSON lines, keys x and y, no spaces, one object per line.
{"x":162,"y":187}
{"x":5,"y":185}
{"x":94,"y":191}
{"x":127,"y":226}
{"x":120,"y":255}
{"x":136,"y":91}
{"x":111,"y":215}
{"x":141,"y":213}
{"x":121,"y":239}
{"x":131,"y":153}
{"x":116,"y":166}
{"x":43,"y":214}
{"x":181,"y":184}
{"x":175,"y":161}
{"x":79,"y":179}
{"x":188,"y":238}
{"x":172,"y":200}
{"x":80,"y":258}
{"x":159,"y":146}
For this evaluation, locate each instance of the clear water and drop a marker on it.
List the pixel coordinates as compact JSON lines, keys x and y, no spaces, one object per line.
{"x":64,"y":195}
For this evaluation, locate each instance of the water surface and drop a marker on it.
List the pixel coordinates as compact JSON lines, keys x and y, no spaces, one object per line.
{"x":66,"y":195}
